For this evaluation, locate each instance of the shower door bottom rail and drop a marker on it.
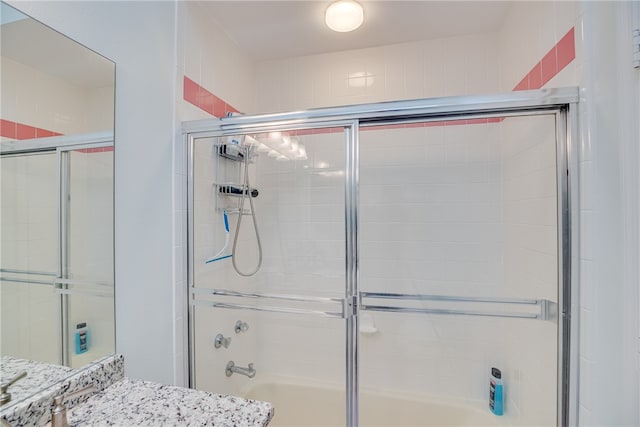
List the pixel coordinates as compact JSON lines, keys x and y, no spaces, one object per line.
{"x":541,"y":309}
{"x":292,"y":304}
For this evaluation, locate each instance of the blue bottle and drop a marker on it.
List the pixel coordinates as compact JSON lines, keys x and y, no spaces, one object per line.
{"x":82,"y":338}
{"x":496,"y":392}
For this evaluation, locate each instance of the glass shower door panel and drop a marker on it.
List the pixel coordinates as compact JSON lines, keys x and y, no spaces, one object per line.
{"x":297,"y":362}
{"x":458,"y":265}
{"x":29,"y":256}
{"x":298,"y":209}
{"x":275,"y":261}
{"x":88,"y":261}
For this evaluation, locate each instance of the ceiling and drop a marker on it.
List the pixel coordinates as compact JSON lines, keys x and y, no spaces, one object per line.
{"x":280,"y":29}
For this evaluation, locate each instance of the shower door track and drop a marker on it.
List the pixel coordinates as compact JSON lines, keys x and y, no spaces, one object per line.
{"x":560,"y":102}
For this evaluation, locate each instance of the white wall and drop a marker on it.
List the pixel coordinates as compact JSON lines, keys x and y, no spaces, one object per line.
{"x":610,"y":219}
{"x":140,"y":37}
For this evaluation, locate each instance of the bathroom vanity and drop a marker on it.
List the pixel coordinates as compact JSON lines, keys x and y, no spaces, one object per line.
{"x":116,"y":400}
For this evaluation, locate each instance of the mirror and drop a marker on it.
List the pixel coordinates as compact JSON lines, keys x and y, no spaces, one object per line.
{"x":56,"y":207}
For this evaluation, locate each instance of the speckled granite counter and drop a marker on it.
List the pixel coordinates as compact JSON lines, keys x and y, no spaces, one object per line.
{"x":39,"y":376}
{"x":35,"y":410}
{"x":142,"y":403}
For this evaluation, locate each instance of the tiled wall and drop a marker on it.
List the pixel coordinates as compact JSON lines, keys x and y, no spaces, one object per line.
{"x":34,"y":100}
{"x":431,"y":68}
{"x":207,"y":87}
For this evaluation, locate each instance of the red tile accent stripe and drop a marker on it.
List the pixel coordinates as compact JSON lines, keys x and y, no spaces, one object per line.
{"x":15,"y":130}
{"x":551,"y":64}
{"x":205,"y":100}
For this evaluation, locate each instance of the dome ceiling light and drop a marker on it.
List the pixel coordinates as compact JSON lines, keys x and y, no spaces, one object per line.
{"x":344,"y":16}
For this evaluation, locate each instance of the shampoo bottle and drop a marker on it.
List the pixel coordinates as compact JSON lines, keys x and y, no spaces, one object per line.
{"x":496,"y":392}
{"x":82,"y":338}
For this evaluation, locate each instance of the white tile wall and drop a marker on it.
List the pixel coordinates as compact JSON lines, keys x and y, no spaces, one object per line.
{"x":430,"y":68}
{"x":44,"y":101}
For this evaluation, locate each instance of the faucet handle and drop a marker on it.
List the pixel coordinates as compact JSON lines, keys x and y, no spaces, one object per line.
{"x":220,"y":341}
{"x":5,"y":396}
{"x":241,"y":326}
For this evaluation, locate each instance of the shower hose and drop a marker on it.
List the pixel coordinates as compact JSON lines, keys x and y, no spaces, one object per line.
{"x":245,"y":192}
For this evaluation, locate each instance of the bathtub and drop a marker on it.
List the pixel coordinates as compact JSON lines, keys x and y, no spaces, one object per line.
{"x":318,"y":405}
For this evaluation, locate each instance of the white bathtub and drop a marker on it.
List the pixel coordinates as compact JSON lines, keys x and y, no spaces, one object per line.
{"x":312,"y":405}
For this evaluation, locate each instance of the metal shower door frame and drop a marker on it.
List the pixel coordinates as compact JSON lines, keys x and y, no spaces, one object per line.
{"x":561,"y":102}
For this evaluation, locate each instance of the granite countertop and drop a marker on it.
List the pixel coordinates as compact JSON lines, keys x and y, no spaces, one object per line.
{"x":39,"y":376}
{"x":134,"y":402}
{"x":35,"y":410}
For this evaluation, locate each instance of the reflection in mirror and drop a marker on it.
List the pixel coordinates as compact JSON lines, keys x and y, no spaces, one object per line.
{"x":56,"y":207}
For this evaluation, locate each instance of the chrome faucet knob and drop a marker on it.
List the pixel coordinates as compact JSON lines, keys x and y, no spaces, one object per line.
{"x":220,"y":341}
{"x":5,"y":396}
{"x":241,"y":326}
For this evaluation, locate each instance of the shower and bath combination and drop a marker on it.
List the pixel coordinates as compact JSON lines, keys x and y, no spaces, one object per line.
{"x":448,"y":287}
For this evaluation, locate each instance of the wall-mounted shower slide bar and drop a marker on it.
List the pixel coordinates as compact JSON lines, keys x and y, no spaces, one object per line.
{"x":543,"y":308}
{"x":335,"y":307}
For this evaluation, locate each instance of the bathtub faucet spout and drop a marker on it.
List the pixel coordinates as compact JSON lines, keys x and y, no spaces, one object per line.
{"x":231,"y":368}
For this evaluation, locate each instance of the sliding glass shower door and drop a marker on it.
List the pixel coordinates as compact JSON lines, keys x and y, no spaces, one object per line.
{"x":416,"y":264}
{"x":29,"y":260}
{"x":267,"y":272}
{"x":458,"y":271}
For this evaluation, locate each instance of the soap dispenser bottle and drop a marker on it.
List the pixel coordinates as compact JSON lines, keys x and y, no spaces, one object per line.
{"x":496,"y":392}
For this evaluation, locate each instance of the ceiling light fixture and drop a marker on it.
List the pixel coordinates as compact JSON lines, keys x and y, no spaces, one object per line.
{"x":344,"y":16}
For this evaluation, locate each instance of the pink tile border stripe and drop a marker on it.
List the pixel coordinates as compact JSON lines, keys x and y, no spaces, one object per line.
{"x":560,"y":55}
{"x":15,"y":130}
{"x":20,"y":131}
{"x":551,"y":64}
{"x":205,"y":100}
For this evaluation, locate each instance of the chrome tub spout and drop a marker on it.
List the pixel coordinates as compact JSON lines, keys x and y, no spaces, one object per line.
{"x":231,"y":368}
